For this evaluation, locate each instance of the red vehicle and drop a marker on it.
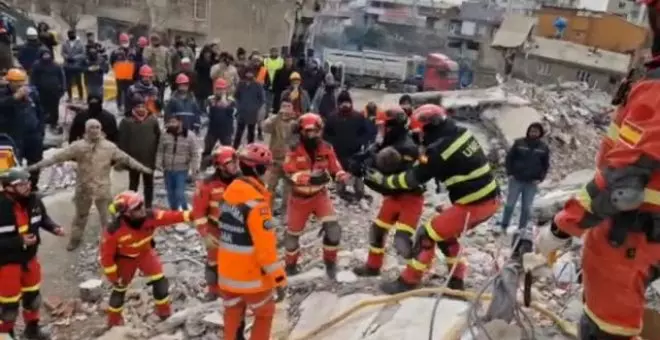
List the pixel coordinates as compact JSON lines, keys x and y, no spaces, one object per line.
{"x":440,"y":73}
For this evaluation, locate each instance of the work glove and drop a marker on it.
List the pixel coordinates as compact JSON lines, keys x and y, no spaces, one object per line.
{"x":113,"y":278}
{"x":210,"y":242}
{"x":547,"y":243}
{"x":280,"y":294}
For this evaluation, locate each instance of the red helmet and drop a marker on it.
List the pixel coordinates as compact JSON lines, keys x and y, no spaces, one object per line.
{"x":146,"y":71}
{"x":220,"y":84}
{"x":255,"y":154}
{"x":223,"y":155}
{"x":182,"y":79}
{"x":310,"y":121}
{"x":126,"y":201}
{"x":123,"y":38}
{"x":142,"y":42}
{"x":429,"y":114}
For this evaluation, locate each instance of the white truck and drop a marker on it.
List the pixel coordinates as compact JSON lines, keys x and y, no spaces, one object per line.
{"x":369,"y":68}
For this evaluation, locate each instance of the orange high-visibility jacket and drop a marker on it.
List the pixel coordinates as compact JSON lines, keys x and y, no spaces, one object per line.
{"x":247,"y":250}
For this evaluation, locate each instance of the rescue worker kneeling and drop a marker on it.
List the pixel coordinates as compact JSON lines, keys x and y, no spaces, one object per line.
{"x":454,"y":157}
{"x":310,"y":165}
{"x":400,"y":209}
{"x":127,"y":246}
{"x":22,"y":215}
{"x":206,"y":210}
{"x":249,"y":271}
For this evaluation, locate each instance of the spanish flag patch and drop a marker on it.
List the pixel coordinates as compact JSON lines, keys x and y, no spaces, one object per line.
{"x":630,"y":134}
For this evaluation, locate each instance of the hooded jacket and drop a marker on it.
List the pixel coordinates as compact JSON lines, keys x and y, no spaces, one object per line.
{"x":187,"y":108}
{"x":48,"y":76}
{"x":203,"y":71}
{"x":529,"y":158}
{"x":107,"y":120}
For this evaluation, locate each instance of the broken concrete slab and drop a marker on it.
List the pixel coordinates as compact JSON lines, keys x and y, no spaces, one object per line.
{"x":355,"y":326}
{"x":91,"y":290}
{"x":512,"y":122}
{"x":316,"y":309}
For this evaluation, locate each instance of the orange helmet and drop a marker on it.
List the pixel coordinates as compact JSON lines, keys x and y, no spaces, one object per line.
{"x":16,"y":74}
{"x":123,"y":38}
{"x":310,"y":121}
{"x":220,"y":84}
{"x":429,"y":114}
{"x":126,"y":201}
{"x":146,"y":71}
{"x":223,"y":155}
{"x":394,"y":115}
{"x":255,"y":154}
{"x":142,"y":42}
{"x":182,"y":79}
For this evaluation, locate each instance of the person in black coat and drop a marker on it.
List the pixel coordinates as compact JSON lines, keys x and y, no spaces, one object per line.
{"x":48,"y":77}
{"x":203,"y":65}
{"x":281,"y":82}
{"x":94,"y":111}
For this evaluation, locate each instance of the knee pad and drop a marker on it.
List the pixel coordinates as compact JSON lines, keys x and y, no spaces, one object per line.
{"x":377,"y":235}
{"x":589,"y":331}
{"x":331,"y":233}
{"x":211,"y":274}
{"x":161,"y":288}
{"x":32,"y":300}
{"x":9,"y":312}
{"x":117,"y":298}
{"x":291,"y":242}
{"x":403,"y":244}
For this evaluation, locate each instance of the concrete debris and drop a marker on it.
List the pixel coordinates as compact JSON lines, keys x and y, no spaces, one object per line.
{"x":91,"y":290}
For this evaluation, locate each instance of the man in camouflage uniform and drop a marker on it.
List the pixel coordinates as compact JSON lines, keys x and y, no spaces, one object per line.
{"x":94,"y":156}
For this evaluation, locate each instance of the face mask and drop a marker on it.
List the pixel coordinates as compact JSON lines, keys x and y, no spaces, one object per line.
{"x":345,"y":108}
{"x":135,"y":223}
{"x":172,"y":129}
{"x":310,"y":143}
{"x":125,"y":45}
{"x":72,"y":37}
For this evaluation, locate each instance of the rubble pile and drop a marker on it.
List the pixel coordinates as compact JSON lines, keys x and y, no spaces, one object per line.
{"x":575,"y":117}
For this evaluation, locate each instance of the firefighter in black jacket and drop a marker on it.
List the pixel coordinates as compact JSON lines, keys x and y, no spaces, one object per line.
{"x":453,"y":156}
{"x":401,"y":209}
{"x":22,"y":215}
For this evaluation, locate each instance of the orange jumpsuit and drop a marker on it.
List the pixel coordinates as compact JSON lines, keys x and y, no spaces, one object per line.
{"x":206,"y":214}
{"x":125,"y":249}
{"x":309,"y":199}
{"x":619,"y":246}
{"x":248,"y":266}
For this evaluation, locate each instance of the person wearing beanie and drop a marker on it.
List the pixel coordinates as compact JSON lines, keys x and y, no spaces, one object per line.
{"x":325,"y":99}
{"x":347,"y":131}
{"x":94,"y":111}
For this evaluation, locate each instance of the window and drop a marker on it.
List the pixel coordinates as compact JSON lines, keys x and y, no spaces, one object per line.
{"x":200,"y":9}
{"x":584,"y":76}
{"x":543,"y":69}
{"x":127,"y":3}
{"x":622,"y":5}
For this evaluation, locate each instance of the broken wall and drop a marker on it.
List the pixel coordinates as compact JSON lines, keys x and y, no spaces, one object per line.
{"x":255,"y":24}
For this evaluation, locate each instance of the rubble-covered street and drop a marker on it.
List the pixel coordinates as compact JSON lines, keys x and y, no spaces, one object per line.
{"x":575,"y":118}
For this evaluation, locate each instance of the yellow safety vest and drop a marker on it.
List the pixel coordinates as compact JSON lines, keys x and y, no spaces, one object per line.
{"x":273,"y":65}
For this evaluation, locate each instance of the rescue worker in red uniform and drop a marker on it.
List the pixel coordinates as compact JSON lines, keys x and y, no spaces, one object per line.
{"x":206,"y":210}
{"x":127,"y":246}
{"x":310,"y":165}
{"x":22,"y":215}
{"x":455,"y":158}
{"x":618,"y":213}
{"x":249,"y":270}
{"x":401,"y":209}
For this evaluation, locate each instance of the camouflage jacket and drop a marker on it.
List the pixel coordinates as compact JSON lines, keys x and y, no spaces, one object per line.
{"x":94,"y":160}
{"x":281,"y":136}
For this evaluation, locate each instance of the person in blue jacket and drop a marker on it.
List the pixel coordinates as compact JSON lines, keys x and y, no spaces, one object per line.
{"x":48,"y":77}
{"x":183,"y":103}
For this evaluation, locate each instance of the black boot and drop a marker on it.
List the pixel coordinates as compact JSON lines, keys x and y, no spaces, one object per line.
{"x":366,"y":271}
{"x":34,"y":332}
{"x":456,"y":283}
{"x":291,"y":269}
{"x":331,"y":269}
{"x":395,"y":287}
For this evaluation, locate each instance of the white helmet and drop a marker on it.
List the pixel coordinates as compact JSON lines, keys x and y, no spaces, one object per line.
{"x":31,"y":32}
